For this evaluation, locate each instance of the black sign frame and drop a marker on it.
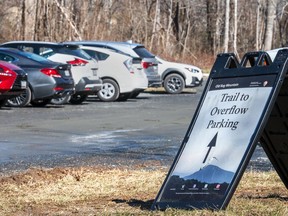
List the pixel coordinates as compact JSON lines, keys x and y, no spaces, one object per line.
{"x":258,"y":70}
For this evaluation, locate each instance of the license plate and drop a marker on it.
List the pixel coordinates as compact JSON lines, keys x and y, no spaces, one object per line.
{"x":67,"y":73}
{"x":23,"y":84}
{"x":94,"y":72}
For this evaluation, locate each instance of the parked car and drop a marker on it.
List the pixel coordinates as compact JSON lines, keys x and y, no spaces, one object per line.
{"x":273,"y":53}
{"x":134,"y":50}
{"x":13,"y":81}
{"x":46,"y":79}
{"x":177,"y":76}
{"x":83,"y":67}
{"x":122,"y":75}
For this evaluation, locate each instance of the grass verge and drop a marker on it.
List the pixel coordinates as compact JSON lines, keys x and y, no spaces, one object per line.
{"x":124,"y":191}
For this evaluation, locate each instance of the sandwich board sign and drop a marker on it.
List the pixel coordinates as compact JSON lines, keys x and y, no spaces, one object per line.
{"x":226,"y":127}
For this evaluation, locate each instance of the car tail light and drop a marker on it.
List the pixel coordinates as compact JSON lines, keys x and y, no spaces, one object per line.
{"x":7,"y":77}
{"x":51,"y":72}
{"x":77,"y":62}
{"x":58,"y":88}
{"x":146,"y":65}
{"x":128,"y":64}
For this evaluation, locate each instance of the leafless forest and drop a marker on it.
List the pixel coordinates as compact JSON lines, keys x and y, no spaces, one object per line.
{"x":191,"y":31}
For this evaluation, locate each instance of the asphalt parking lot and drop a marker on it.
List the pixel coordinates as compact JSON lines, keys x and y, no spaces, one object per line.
{"x":148,"y":129}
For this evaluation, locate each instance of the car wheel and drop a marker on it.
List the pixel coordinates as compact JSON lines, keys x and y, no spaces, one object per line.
{"x":78,"y":99}
{"x":40,"y":103}
{"x":21,"y":100}
{"x":109,"y":91}
{"x":174,"y":84}
{"x":61,"y":100}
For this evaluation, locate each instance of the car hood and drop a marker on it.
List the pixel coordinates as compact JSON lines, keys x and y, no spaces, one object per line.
{"x":166,"y":64}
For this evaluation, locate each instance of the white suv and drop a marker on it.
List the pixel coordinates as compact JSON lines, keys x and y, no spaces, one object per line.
{"x":134,"y":50}
{"x":273,"y":53}
{"x":122,"y":75}
{"x":83,"y":67}
{"x":177,"y":76}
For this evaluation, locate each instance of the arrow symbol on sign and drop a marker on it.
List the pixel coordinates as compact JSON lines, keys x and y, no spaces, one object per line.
{"x":210,"y":145}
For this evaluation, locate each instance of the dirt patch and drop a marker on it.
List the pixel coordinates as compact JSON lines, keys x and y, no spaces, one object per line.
{"x":161,"y":90}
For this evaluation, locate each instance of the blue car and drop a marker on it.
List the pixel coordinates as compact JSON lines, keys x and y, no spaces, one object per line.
{"x":46,"y":79}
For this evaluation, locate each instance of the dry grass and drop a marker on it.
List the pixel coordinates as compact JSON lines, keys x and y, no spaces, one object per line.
{"x":123,"y":191}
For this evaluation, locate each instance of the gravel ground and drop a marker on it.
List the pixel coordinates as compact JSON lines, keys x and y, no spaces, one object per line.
{"x":148,"y":129}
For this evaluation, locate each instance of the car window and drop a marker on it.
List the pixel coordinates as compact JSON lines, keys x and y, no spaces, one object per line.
{"x":97,"y":55}
{"x":25,"y":48}
{"x":46,"y":52}
{"x":143,"y":52}
{"x":34,"y":57}
{"x":7,"y":58}
{"x":75,"y":51}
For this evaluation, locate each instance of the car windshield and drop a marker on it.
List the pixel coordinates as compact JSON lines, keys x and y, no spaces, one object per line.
{"x":34,"y":57}
{"x":143,"y":52}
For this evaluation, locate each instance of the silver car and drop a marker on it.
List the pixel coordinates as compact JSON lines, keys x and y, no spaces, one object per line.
{"x":136,"y":51}
{"x":128,"y":79}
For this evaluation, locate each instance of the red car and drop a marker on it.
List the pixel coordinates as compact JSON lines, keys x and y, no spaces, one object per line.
{"x":13,"y":81}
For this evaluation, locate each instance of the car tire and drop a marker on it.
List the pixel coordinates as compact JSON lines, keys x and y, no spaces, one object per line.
{"x":40,"y":103}
{"x":174,"y":84}
{"x":109,"y":91}
{"x":78,"y":99}
{"x":61,"y":100}
{"x":22,"y":100}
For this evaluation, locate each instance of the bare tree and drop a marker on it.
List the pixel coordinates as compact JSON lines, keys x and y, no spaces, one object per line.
{"x":217,"y":38}
{"x":169,"y":21}
{"x":226,"y":31}
{"x":257,"y":24}
{"x":235,"y":27}
{"x":23,"y":23}
{"x":211,"y":7}
{"x":269,"y":24}
{"x":283,"y":26}
{"x":67,"y":16}
{"x":177,"y":29}
{"x":156,"y":23}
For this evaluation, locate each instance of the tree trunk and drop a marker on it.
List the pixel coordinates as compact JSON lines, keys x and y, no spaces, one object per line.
{"x":23,"y":22}
{"x":271,"y":12}
{"x":283,"y":26}
{"x":156,"y":24}
{"x":257,"y":25}
{"x":217,"y":38}
{"x":211,"y":7}
{"x":226,"y":30}
{"x":235,"y":27}
{"x":169,"y":24}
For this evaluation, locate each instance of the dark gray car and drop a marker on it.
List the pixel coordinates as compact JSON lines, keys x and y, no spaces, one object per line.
{"x":46,"y":79}
{"x":83,"y":67}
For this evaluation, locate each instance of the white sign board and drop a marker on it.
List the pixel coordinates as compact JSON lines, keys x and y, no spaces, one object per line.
{"x":218,"y":141}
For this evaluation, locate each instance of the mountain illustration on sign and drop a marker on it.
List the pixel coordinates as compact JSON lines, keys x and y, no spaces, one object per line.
{"x":211,"y":174}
